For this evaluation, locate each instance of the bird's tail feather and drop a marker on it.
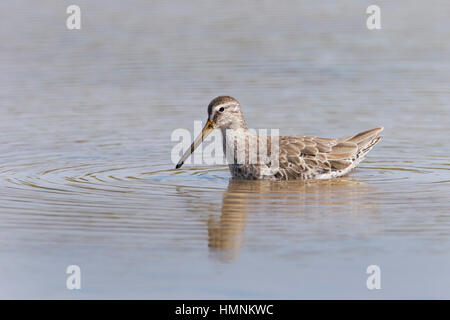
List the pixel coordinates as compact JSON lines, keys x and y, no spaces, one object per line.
{"x":365,"y":140}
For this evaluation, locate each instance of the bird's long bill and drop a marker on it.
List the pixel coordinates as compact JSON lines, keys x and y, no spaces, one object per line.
{"x":209,"y":127}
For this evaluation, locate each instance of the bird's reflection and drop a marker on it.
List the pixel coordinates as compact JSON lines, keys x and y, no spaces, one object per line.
{"x":243,"y":198}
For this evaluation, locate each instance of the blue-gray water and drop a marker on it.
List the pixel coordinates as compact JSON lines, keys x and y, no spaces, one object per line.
{"x":86,"y":176}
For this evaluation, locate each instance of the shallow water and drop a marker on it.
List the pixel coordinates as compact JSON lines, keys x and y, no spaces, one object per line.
{"x":86,"y":175}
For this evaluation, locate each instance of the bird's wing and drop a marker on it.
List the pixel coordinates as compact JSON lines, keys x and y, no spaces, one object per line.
{"x":309,"y":156}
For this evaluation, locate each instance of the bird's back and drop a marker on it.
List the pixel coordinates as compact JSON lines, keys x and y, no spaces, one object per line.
{"x":323,"y":158}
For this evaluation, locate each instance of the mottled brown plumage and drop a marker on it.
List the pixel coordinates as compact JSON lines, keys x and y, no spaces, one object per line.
{"x":316,"y":158}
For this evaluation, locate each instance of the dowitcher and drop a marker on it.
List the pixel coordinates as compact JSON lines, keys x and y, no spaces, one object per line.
{"x":297,"y":157}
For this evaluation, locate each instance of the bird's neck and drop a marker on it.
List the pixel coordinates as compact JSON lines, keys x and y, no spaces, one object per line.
{"x":232,"y":139}
{"x":235,"y":129}
{"x":238,"y":123}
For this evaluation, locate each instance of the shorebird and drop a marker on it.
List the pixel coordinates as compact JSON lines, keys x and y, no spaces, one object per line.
{"x":297,"y":157}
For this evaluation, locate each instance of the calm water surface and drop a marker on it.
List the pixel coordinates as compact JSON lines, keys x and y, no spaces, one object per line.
{"x":86,"y":175}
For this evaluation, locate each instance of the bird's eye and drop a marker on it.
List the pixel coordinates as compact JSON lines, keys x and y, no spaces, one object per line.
{"x":221,"y":109}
